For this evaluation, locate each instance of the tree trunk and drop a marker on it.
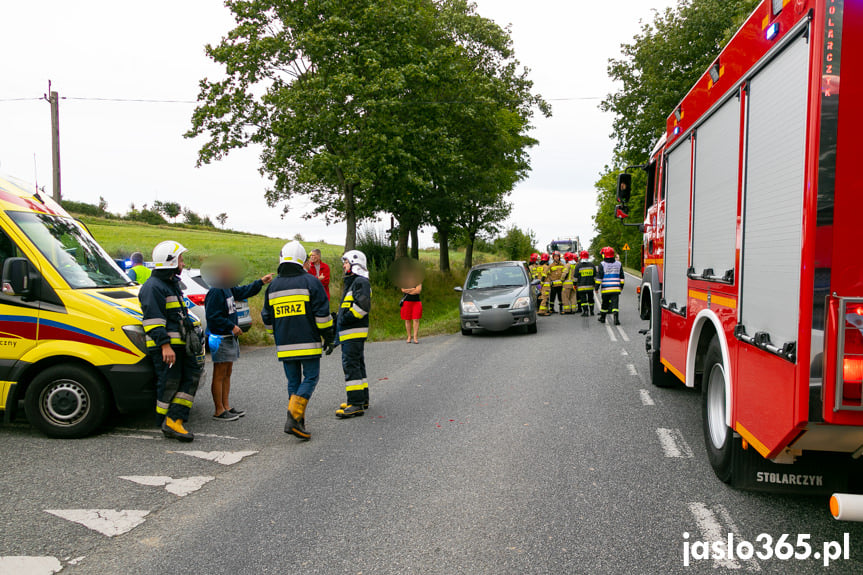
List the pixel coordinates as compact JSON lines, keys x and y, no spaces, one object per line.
{"x":415,"y":242}
{"x":350,"y":218}
{"x":468,"y":252}
{"x":402,"y":245}
{"x":443,"y":238}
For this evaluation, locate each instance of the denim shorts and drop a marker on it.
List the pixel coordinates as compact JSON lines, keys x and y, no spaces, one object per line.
{"x":229,"y":350}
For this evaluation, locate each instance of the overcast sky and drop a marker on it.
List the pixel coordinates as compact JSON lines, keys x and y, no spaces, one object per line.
{"x":134,"y":152}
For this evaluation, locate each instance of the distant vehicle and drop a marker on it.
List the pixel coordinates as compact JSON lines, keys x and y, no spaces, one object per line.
{"x":195,"y":290}
{"x":564,"y":245}
{"x":498,"y":296}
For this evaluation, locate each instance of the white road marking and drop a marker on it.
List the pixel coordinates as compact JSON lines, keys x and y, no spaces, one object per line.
{"x":673,"y":443}
{"x":157,"y":434}
{"x":632,"y":371}
{"x":623,"y":352}
{"x":109,"y":522}
{"x":223,"y":457}
{"x":180,"y":487}
{"x":622,"y":333}
{"x":711,"y":530}
{"x":645,"y":397}
{"x":610,"y":333}
{"x":19,"y":564}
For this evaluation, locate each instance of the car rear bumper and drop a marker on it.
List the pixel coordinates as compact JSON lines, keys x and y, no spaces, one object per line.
{"x":498,"y":319}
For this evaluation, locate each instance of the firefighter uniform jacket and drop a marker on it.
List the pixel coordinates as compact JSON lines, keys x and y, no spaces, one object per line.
{"x":609,"y":276}
{"x":585,"y":273}
{"x":569,"y":275}
{"x":353,"y":318}
{"x":297,"y":313}
{"x":555,"y":274}
{"x":535,"y":271}
{"x":164,"y":309}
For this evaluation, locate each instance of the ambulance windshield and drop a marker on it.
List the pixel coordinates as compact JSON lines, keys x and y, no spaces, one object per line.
{"x":71,"y":250}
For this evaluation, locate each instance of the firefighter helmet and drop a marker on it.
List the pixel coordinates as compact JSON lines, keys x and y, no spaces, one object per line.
{"x":543,"y":258}
{"x":567,"y":256}
{"x":534,"y":258}
{"x":293,"y":253}
{"x":167,"y":254}
{"x":584,"y":255}
{"x":607,"y":252}
{"x":357,"y":259}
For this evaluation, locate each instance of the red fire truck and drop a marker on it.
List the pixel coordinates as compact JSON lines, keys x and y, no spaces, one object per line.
{"x":753,"y":273}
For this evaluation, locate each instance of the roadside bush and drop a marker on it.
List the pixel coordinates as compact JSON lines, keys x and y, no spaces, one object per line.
{"x":379,"y":252}
{"x":85,"y":209}
{"x":147,"y":216}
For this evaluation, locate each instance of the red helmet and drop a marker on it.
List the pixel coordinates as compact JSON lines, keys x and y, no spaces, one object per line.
{"x":584,"y":255}
{"x":534,"y":258}
{"x":556,"y":253}
{"x":543,"y":258}
{"x":607,"y":252}
{"x":569,"y":256}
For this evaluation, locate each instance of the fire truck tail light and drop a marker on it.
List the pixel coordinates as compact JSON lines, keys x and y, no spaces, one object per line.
{"x":853,"y":369}
{"x":852,"y":353}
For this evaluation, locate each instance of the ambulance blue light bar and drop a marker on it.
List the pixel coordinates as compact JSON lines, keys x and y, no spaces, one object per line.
{"x":772,"y":31}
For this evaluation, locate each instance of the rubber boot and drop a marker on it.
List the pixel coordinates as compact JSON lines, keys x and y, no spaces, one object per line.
{"x":584,"y":312}
{"x":350,"y":411}
{"x":345,"y":405}
{"x":296,"y":417}
{"x":173,"y":429}
{"x":616,"y":319}
{"x":591,"y":311}
{"x":601,"y":317}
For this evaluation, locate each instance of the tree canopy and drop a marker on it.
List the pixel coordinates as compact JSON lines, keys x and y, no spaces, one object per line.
{"x":417,"y":108}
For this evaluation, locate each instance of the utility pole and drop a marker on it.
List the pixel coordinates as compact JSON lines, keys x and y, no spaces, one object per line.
{"x":54,"y":100}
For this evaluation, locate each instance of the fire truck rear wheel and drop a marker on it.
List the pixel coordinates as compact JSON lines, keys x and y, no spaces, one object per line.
{"x":67,"y":401}
{"x":718,"y":437}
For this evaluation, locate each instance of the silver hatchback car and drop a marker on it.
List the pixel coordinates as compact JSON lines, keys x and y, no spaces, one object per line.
{"x":498,"y":296}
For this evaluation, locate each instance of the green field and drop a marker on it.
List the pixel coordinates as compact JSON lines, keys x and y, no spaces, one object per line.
{"x":261,"y":254}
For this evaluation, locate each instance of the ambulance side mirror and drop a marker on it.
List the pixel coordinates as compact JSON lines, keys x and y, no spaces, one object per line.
{"x":16,"y":277}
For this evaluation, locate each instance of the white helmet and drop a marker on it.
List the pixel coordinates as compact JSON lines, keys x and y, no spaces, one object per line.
{"x":357,"y":259}
{"x":167,"y":254}
{"x":293,"y":253}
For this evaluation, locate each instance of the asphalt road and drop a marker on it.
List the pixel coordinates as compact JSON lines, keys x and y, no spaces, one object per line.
{"x":498,"y":454}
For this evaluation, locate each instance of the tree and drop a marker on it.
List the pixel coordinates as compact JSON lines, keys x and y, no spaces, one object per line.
{"x":222,"y":218}
{"x":192,"y":218}
{"x":168,"y":209}
{"x":516,"y":245}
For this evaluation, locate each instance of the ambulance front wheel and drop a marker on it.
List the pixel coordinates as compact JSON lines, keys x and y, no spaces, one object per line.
{"x":66,"y":401}
{"x":718,"y":437}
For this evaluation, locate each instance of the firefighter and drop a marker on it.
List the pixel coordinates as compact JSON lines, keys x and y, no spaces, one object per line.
{"x":534,"y":267}
{"x":609,"y":280}
{"x":296,"y":312}
{"x":353,"y":326}
{"x":174,"y":342}
{"x":545,"y":292}
{"x":569,"y":283}
{"x":555,"y":277}
{"x":585,"y":273}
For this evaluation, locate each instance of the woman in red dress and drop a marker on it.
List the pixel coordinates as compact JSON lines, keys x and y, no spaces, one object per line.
{"x":412,"y":310}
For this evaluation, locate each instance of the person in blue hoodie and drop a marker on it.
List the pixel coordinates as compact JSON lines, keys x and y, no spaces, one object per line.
{"x":221,"y":313}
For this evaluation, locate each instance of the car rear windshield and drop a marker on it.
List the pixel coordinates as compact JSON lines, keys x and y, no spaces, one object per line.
{"x":71,"y":250}
{"x":485,"y":278}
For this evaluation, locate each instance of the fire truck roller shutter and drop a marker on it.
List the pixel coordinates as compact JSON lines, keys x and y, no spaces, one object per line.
{"x":773,"y":202}
{"x":714,"y":196}
{"x":678,"y":172}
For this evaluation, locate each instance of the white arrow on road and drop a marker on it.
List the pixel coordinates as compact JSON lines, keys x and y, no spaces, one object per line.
{"x":16,"y":565}
{"x":181,"y":486}
{"x":108,"y":522}
{"x":223,"y":457}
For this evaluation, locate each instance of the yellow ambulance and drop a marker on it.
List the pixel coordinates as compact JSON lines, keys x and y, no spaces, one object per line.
{"x":71,"y":342}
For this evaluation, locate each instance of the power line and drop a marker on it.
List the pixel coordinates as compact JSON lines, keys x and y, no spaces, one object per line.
{"x":19,"y":99}
{"x":138,"y":100}
{"x":178,"y":101}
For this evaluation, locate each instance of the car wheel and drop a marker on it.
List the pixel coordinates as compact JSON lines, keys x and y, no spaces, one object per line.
{"x":66,"y":401}
{"x":532,"y":328}
{"x":466,"y":331}
{"x":718,"y":437}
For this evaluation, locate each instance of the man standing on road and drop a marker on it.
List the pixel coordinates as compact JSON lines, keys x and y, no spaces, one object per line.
{"x":545,"y":291}
{"x":296,"y":312}
{"x":138,"y":272}
{"x":610,"y":280}
{"x":585,"y":273}
{"x":319,"y":269}
{"x":353,"y":323}
{"x":173,"y":342}
{"x":555,"y":278}
{"x":569,"y":278}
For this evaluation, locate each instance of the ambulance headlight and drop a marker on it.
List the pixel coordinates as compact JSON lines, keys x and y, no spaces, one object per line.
{"x":135,"y":333}
{"x":521,"y":303}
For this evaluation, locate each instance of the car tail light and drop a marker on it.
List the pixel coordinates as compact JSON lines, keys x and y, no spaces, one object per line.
{"x":197,"y":298}
{"x":852,"y":352}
